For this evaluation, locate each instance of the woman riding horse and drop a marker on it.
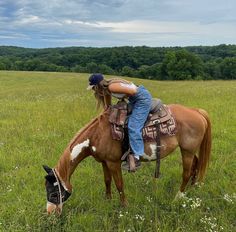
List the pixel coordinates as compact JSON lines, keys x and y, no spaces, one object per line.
{"x":139,"y":99}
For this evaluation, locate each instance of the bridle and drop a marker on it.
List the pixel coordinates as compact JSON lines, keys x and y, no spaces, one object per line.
{"x":60,"y":195}
{"x":59,"y":186}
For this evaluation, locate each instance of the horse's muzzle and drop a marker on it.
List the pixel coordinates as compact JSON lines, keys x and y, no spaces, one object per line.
{"x":54,"y":209}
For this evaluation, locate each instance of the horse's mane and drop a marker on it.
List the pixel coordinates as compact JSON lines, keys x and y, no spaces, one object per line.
{"x":89,"y":125}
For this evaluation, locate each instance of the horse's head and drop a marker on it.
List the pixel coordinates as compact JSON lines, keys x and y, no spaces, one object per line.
{"x":57,"y":194}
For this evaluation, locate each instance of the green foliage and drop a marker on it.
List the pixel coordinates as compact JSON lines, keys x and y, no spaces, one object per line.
{"x":228,"y":68}
{"x":41,"y":112}
{"x":181,"y":65}
{"x":176,"y":63}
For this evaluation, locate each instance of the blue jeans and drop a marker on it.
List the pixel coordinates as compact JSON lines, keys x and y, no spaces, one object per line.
{"x":141,"y":105}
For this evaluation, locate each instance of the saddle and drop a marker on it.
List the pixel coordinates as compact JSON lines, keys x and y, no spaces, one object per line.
{"x":159,"y":114}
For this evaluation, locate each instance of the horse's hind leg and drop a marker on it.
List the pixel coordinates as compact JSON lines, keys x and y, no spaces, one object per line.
{"x":194,"y":170}
{"x":107,"y":180}
{"x":187,"y":160}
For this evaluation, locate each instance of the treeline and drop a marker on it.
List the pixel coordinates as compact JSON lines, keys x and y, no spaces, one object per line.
{"x":161,"y":63}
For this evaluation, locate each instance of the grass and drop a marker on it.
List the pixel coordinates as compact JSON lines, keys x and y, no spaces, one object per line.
{"x":39,"y":114}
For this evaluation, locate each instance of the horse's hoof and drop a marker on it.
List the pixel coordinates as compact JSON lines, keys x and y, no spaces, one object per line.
{"x":108,"y":196}
{"x":124,"y":204}
{"x":179,"y":196}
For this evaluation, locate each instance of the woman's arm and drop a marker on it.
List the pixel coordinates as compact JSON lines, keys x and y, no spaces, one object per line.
{"x":123,"y":88}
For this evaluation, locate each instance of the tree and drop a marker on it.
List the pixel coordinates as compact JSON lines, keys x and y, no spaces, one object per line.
{"x":228,"y":68}
{"x":127,"y":71}
{"x":181,"y":65}
{"x":92,"y":67}
{"x":105,"y":69}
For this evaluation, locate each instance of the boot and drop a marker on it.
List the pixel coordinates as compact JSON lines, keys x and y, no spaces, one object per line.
{"x":132,"y":164}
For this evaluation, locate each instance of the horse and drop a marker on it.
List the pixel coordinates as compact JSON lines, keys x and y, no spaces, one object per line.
{"x":193,"y":137}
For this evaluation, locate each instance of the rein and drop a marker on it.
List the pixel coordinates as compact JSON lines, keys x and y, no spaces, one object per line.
{"x":59,"y":185}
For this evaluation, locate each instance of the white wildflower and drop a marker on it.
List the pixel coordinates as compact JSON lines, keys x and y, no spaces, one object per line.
{"x":149,"y":199}
{"x":229,"y":198}
{"x":196,"y":203}
{"x":139,"y":217}
{"x":210,"y":224}
{"x":9,"y":189}
{"x":120,"y":214}
{"x":192,"y":202}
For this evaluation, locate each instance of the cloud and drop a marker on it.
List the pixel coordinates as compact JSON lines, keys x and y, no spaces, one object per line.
{"x":117,"y":22}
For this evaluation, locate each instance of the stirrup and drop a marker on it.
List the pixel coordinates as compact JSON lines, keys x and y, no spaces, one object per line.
{"x":125,"y":155}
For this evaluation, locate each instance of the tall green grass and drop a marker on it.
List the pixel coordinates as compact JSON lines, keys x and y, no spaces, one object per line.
{"x":40,"y":113}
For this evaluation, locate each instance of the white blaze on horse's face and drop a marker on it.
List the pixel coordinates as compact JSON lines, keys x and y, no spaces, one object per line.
{"x":78,"y":148}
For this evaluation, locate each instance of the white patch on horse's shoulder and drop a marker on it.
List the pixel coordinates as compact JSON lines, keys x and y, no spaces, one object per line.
{"x":78,"y":148}
{"x":153,"y":154}
{"x":93,"y":148}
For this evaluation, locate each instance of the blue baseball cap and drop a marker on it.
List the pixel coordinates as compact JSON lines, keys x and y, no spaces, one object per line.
{"x":94,"y":79}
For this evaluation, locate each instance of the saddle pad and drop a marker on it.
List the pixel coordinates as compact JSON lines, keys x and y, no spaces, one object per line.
{"x":167,"y":124}
{"x":163,"y":116}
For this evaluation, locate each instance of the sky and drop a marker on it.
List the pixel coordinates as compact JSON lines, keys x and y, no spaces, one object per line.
{"x":109,"y":23}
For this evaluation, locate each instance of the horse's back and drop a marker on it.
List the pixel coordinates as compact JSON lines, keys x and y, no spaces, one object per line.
{"x":188,"y":115}
{"x":191,"y":125}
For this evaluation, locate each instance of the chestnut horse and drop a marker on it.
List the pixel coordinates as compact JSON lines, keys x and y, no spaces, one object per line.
{"x":193,"y":136}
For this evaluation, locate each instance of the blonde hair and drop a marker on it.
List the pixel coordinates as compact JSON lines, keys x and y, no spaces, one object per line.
{"x":102,"y":94}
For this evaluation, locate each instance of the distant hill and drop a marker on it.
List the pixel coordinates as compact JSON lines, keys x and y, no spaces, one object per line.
{"x":163,"y":63}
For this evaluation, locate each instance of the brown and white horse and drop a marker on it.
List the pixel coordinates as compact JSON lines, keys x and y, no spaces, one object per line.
{"x":193,"y":136}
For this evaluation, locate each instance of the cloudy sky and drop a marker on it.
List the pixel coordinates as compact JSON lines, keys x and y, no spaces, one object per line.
{"x":106,"y":23}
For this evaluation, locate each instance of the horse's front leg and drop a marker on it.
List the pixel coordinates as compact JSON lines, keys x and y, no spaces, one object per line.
{"x":115,"y":169}
{"x":107,"y":180}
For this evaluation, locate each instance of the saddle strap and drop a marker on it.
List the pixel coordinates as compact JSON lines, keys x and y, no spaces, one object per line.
{"x":158,"y":150}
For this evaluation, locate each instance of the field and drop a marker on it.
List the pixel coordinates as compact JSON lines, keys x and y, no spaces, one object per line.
{"x":39,"y":114}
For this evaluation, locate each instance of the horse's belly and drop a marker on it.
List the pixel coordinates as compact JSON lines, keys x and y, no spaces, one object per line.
{"x":168,"y":145}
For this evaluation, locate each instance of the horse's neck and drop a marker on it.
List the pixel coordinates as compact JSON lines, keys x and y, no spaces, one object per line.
{"x":66,"y":166}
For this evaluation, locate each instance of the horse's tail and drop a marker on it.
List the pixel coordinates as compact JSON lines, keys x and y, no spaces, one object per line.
{"x":205,"y":148}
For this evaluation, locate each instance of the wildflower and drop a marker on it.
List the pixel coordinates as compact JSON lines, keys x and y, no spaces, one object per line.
{"x":9,"y":189}
{"x":139,"y":217}
{"x":210,"y":224}
{"x":149,"y":199}
{"x":192,"y":202}
{"x":120,"y":214}
{"x":228,"y":198}
{"x":196,"y":203}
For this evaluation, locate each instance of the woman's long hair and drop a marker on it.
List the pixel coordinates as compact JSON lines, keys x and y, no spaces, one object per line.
{"x":102,"y":94}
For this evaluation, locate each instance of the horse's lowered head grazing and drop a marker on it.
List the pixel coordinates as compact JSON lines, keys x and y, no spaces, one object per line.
{"x":57,"y":193}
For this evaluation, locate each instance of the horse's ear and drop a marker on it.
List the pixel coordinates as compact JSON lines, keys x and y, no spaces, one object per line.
{"x":47,"y":169}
